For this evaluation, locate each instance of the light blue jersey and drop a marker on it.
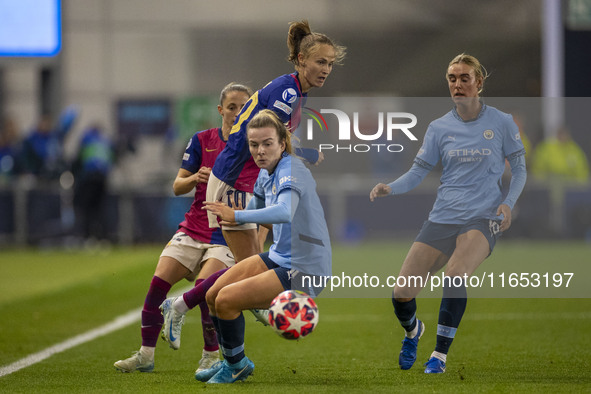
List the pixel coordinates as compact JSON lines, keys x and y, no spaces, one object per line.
{"x":473,"y":156}
{"x":303,"y":244}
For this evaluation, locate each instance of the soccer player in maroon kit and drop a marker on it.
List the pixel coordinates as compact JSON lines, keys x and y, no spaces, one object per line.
{"x":195,"y":250}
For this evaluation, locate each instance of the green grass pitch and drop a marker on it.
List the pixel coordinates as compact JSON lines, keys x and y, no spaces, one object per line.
{"x":519,"y":344}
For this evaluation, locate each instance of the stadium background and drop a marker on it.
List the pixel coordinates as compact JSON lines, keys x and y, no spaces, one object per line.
{"x":150,"y":71}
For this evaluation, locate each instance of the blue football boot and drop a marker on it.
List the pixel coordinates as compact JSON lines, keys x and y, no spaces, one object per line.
{"x":230,"y":373}
{"x":434,"y":365}
{"x":206,"y":374}
{"x":408,"y":353}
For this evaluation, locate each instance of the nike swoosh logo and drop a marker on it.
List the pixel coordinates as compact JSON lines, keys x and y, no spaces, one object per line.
{"x":235,"y":375}
{"x":210,"y":150}
{"x":172,"y":338}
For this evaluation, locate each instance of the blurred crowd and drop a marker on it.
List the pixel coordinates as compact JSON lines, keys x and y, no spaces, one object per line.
{"x":557,"y":158}
{"x":39,"y":155}
{"x":40,"y":152}
{"x":560,"y":157}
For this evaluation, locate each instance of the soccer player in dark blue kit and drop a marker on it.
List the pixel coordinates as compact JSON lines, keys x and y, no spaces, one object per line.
{"x":234,"y":172}
{"x":472,"y":142}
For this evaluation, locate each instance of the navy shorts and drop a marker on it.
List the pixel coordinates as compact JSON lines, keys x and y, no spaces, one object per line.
{"x":443,"y":236}
{"x":292,"y":279}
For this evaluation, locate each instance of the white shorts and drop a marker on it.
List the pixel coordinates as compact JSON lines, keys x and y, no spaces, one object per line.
{"x":192,"y":253}
{"x":220,"y":191}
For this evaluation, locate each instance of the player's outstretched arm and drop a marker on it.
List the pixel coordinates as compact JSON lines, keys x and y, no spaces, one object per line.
{"x":405,"y":183}
{"x":220,"y":209}
{"x":380,"y":190}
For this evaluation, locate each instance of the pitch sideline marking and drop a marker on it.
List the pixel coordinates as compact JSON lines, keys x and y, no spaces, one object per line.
{"x":116,"y":324}
{"x":133,"y":316}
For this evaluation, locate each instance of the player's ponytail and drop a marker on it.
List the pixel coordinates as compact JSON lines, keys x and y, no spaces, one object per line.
{"x":301,"y":39}
{"x":295,"y":35}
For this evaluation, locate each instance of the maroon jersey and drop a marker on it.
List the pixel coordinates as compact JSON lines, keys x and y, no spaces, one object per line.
{"x":202,"y":150}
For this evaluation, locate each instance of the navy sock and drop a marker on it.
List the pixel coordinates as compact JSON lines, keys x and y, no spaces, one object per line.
{"x":232,"y":333}
{"x":406,"y":313}
{"x":453,"y":305}
{"x":216,"y":324}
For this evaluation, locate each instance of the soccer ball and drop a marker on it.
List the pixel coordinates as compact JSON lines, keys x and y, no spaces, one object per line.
{"x":293,"y":314}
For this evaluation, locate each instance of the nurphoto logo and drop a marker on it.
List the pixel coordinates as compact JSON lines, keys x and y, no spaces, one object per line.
{"x":389,"y":123}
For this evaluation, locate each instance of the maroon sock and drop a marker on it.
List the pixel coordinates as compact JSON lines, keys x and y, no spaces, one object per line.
{"x":151,"y":316}
{"x":196,"y":295}
{"x":210,"y":338}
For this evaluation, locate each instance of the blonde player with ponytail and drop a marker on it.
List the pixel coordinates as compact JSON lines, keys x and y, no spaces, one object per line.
{"x":234,"y":172}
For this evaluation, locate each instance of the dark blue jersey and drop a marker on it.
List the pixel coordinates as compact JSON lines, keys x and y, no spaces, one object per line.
{"x":234,"y":165}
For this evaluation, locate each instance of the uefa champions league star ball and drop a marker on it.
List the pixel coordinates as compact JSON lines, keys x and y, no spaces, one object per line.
{"x":293,"y":314}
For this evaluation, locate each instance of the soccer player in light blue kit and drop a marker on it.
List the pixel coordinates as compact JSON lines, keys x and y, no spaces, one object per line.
{"x":472,"y":141}
{"x":299,"y":258}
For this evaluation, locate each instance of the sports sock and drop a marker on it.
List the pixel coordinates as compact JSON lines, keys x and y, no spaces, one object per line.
{"x":441,"y":356}
{"x":151,"y":316}
{"x":180,"y":306}
{"x":147,"y":352}
{"x":413,"y":333}
{"x":232,"y":333}
{"x":210,"y":339}
{"x":216,"y":324}
{"x":453,"y":305}
{"x":196,"y":295}
{"x":406,"y":314}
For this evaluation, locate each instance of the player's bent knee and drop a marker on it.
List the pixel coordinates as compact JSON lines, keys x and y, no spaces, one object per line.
{"x":210,"y":298}
{"x":224,"y":302}
{"x":403,"y":294}
{"x":460,"y":270}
